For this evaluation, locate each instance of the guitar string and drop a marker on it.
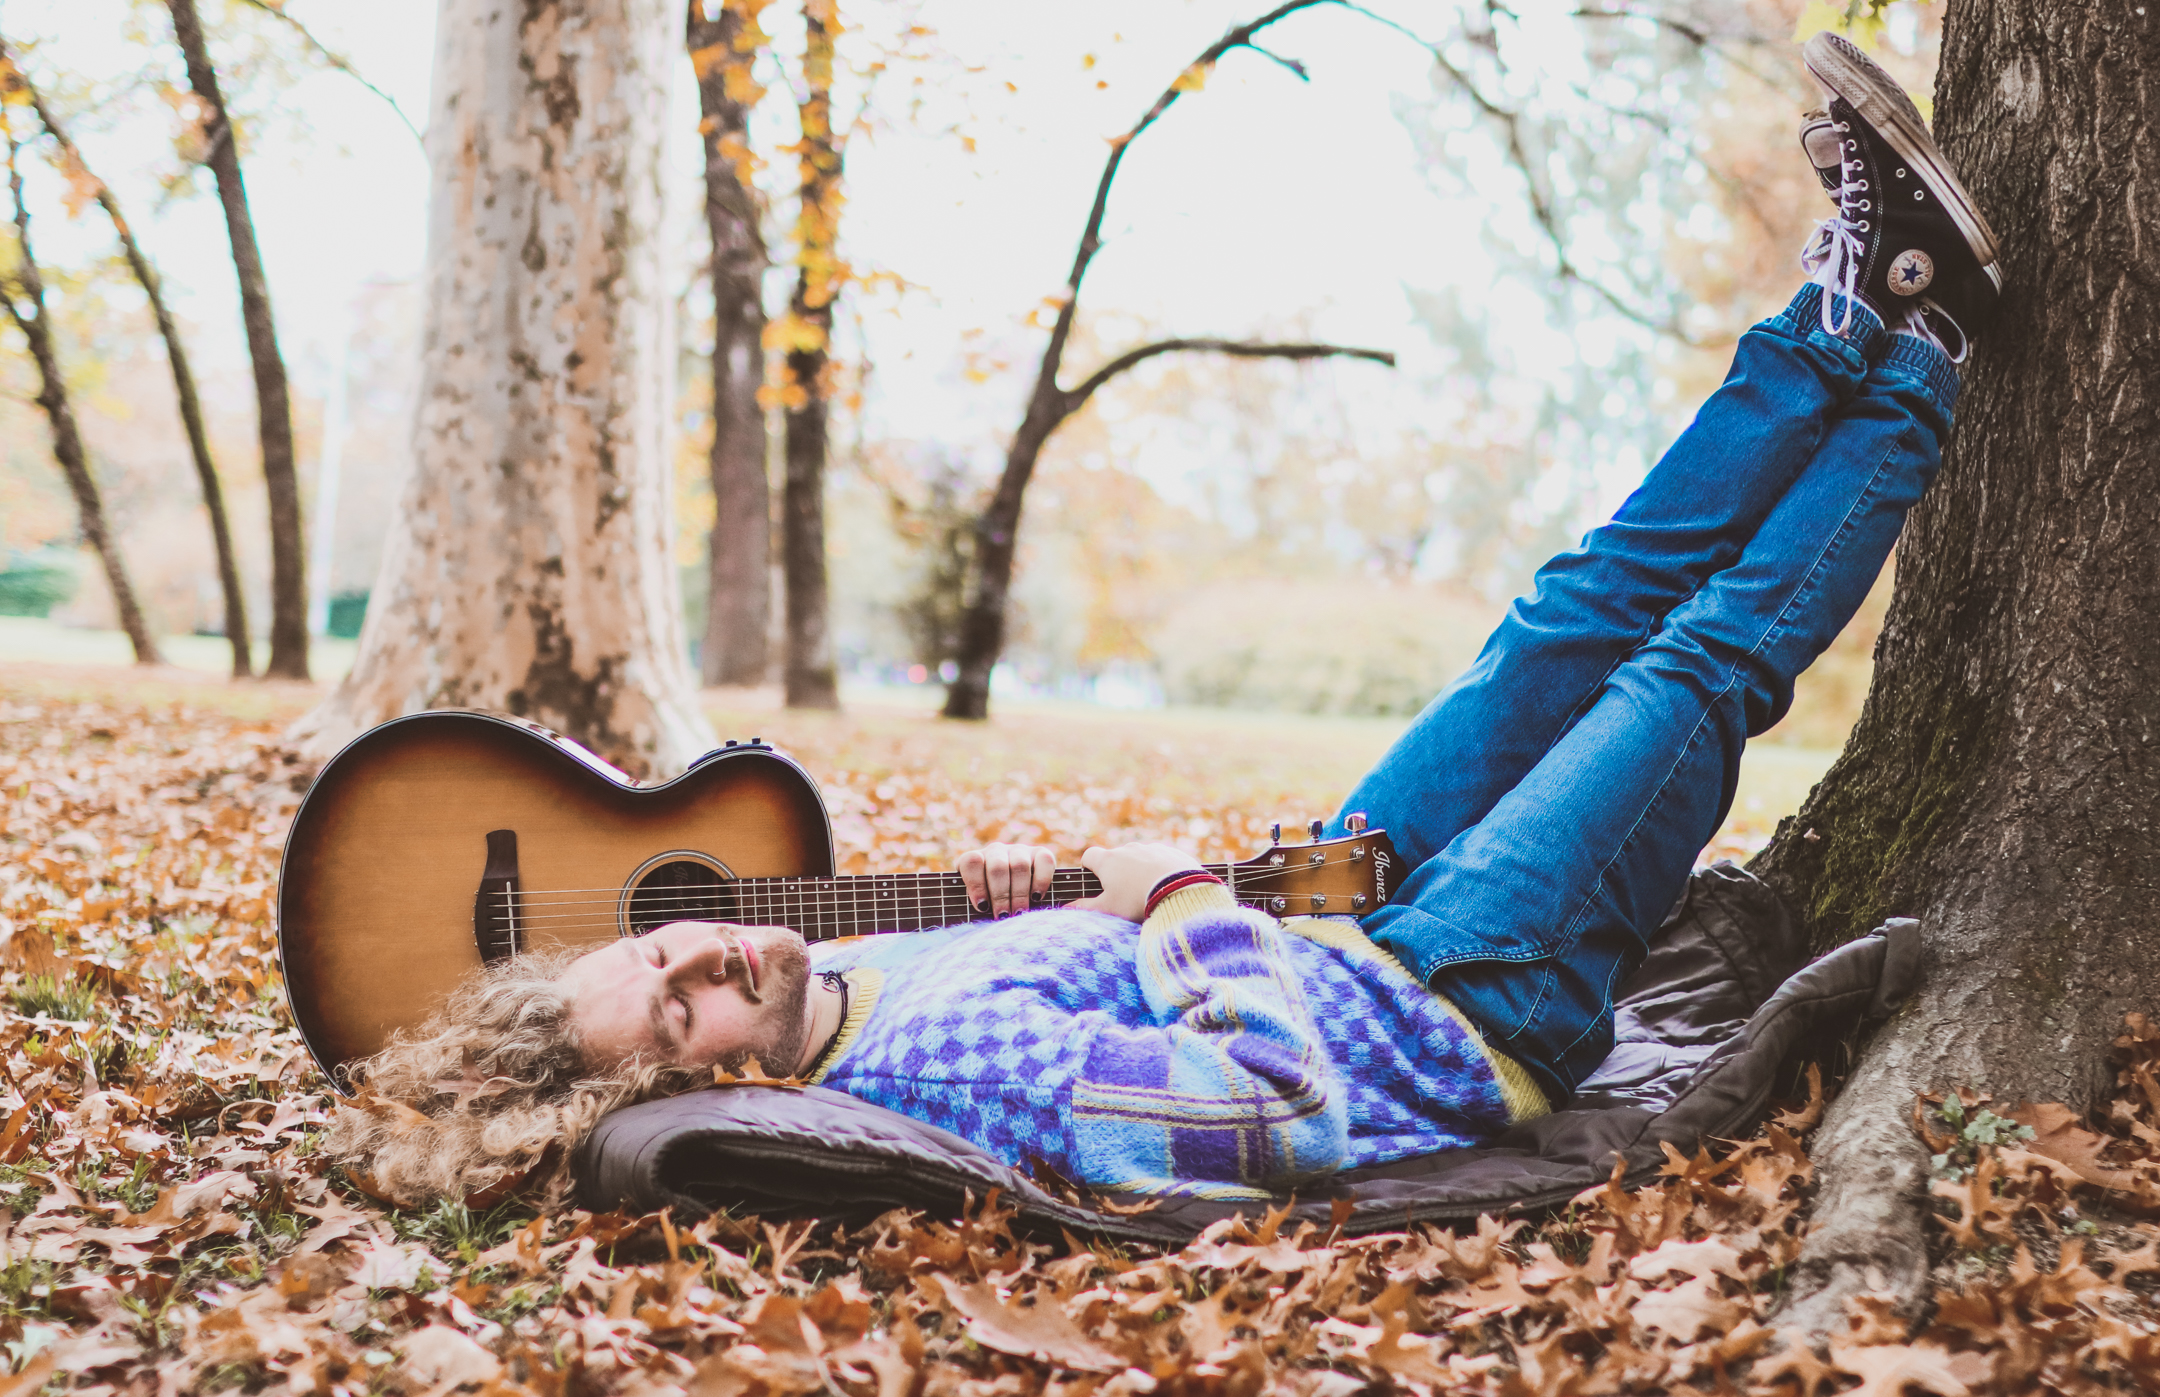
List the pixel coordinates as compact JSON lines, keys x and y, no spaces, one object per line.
{"x":844,"y":883}
{"x":823,"y":913}
{"x":763,"y":891}
{"x":1263,"y":870}
{"x":818,"y":906}
{"x":763,"y":901}
{"x":832,"y":919}
{"x":915,"y":878}
{"x":763,"y":897}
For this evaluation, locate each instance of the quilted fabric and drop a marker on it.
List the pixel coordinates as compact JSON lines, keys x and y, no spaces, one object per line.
{"x":1216,"y":1053}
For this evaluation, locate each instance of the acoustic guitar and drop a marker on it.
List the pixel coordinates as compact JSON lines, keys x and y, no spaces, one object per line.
{"x":443,"y":841}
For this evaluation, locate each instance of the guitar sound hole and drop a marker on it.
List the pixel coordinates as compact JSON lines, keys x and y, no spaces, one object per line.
{"x":682,"y":891}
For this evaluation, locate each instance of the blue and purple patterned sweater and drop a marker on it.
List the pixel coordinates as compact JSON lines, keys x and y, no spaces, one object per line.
{"x":1210,"y":1051}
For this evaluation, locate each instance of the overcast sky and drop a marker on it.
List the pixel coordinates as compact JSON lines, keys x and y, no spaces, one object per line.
{"x":1261,"y":203}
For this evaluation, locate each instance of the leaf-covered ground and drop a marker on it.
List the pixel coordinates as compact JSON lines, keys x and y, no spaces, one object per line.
{"x":169,"y":1228}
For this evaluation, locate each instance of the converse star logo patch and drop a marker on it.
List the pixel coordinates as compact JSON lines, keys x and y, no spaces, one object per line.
{"x":1911,"y":273}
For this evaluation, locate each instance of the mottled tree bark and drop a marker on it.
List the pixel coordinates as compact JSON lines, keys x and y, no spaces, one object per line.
{"x":273,"y":405}
{"x":530,"y":565}
{"x":738,"y":607}
{"x":191,"y":418}
{"x":2003,"y":783}
{"x":808,"y":673}
{"x":24,"y":303}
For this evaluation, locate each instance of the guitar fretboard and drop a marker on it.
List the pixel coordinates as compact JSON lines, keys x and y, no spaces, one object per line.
{"x":823,"y":909}
{"x":1349,"y":875}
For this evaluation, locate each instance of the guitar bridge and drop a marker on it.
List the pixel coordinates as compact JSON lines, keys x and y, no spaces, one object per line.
{"x":495,"y":919}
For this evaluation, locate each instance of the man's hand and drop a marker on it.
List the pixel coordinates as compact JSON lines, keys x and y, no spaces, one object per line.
{"x":1007,"y":875}
{"x":1129,"y":873}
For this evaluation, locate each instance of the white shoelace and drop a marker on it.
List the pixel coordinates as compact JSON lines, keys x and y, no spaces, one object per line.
{"x":1916,"y":324}
{"x":1834,"y":251}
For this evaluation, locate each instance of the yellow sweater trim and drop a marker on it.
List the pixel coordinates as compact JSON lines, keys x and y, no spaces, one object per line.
{"x":1191,"y":902}
{"x":865,"y":984}
{"x":1518,"y":1089}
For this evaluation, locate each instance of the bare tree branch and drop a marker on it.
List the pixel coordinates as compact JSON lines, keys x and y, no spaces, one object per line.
{"x":1239,"y":349}
{"x":1238,"y":36}
{"x":34,"y":321}
{"x":276,"y":9}
{"x":1542,"y":211}
{"x":982,"y":627}
{"x":68,"y":158}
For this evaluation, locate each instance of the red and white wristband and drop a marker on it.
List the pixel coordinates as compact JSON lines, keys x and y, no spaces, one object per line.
{"x":1177,"y":882}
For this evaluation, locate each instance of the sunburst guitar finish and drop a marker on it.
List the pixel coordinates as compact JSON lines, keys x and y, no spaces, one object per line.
{"x":444,"y":841}
{"x":376,"y":900}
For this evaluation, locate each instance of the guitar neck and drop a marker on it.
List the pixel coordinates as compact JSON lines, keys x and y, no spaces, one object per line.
{"x":860,"y":905}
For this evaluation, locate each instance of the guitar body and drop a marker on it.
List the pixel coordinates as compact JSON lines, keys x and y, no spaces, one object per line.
{"x":406,"y":826}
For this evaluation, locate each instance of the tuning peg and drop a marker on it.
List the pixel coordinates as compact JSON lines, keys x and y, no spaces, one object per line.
{"x":1354,"y":822}
{"x":1316,"y":827}
{"x":1274,"y":833}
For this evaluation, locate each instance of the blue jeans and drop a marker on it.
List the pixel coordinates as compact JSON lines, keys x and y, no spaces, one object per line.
{"x":1551,"y":802}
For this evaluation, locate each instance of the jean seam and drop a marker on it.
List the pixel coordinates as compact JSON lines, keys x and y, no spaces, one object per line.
{"x":1851,"y":355}
{"x":1833,"y":545}
{"x":1578,"y":919}
{"x":1604,"y":1014}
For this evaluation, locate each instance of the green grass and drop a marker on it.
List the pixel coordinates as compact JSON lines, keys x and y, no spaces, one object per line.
{"x":43,"y":995}
{"x":33,"y":639}
{"x":1290,"y":766}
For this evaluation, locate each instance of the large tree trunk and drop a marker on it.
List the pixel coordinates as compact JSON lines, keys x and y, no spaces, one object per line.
{"x":2003,"y":782}
{"x":809,"y":678}
{"x":29,"y":317}
{"x":530,"y":566}
{"x":273,"y":406}
{"x":191,"y":418}
{"x":738,"y":610}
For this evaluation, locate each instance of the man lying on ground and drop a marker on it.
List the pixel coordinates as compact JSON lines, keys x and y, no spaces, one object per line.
{"x":1160,"y":1038}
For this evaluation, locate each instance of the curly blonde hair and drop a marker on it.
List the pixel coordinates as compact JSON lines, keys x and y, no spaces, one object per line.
{"x":491,"y":1093}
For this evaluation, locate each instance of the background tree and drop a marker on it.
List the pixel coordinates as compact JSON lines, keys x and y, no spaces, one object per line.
{"x":804,"y":333}
{"x":808,"y":676}
{"x":70,"y":161}
{"x":2002,"y":783}
{"x":529,"y":569}
{"x":738,"y":611}
{"x":273,"y":405}
{"x":22,"y":296}
{"x":981,"y":631}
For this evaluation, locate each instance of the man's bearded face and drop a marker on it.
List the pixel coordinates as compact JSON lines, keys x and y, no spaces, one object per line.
{"x":695,"y":994}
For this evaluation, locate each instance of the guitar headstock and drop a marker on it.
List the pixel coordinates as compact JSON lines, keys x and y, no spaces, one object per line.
{"x":1355,"y":874}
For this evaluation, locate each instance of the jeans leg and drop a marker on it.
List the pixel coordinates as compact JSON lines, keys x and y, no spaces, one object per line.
{"x":1592,"y":606}
{"x":1528,"y":920}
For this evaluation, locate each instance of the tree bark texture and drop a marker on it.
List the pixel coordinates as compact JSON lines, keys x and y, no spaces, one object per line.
{"x":529,"y":568}
{"x":191,"y":418}
{"x":273,"y":405}
{"x":29,"y":317}
{"x":2003,"y":781}
{"x":738,"y":610}
{"x":809,"y":678}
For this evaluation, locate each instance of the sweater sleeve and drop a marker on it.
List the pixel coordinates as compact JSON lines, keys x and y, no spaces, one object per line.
{"x":1228,"y":1093}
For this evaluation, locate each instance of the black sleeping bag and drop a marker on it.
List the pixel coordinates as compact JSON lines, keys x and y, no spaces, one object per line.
{"x":1721,"y":1004}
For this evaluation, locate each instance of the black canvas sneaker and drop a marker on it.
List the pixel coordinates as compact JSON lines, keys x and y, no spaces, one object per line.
{"x":1907,"y":232}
